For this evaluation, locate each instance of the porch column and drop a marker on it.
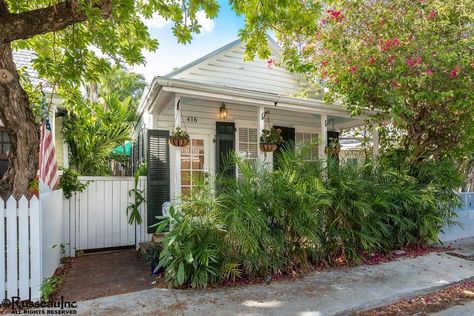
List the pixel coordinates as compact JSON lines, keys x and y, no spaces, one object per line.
{"x":375,"y":143}
{"x":323,"y":138}
{"x":260,"y":127}
{"x":176,"y":171}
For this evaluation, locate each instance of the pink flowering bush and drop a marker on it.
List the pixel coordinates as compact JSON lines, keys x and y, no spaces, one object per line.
{"x":412,"y":61}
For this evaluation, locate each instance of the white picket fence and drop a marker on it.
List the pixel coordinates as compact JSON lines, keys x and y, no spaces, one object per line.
{"x":28,"y":231}
{"x":96,"y":218}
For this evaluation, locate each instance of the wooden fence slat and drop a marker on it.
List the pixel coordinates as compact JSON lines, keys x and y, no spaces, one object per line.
{"x":99,"y":216}
{"x":12,"y":259}
{"x":35,"y":246}
{"x":130,"y":228}
{"x":2,"y":250}
{"x":66,"y":224}
{"x":116,"y":216}
{"x":23,"y":253}
{"x":83,"y":212}
{"x":92,"y":215}
{"x":108,"y":214}
{"x":122,"y":215}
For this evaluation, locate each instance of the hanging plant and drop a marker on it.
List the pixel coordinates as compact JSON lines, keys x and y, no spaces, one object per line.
{"x":179,"y":137}
{"x":334,"y":148}
{"x":270,"y":139}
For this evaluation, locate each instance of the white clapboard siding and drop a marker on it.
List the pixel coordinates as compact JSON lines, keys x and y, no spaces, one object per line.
{"x":226,"y":67}
{"x":97,"y":217}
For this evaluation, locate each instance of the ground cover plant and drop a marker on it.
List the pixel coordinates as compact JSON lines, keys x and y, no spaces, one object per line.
{"x":302,"y":214}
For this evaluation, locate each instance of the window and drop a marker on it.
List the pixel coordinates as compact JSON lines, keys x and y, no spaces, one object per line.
{"x":248,"y":144}
{"x":192,"y":164}
{"x":302,"y":139}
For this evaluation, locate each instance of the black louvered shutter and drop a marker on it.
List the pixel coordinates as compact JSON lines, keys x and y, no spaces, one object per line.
{"x":158,"y":174}
{"x":225,"y":144}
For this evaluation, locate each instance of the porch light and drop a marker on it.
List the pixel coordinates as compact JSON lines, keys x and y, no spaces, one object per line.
{"x":223,"y":112}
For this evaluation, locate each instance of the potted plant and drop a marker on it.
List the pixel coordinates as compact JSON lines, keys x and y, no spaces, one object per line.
{"x":151,"y":255}
{"x":333,"y":148}
{"x":270,"y":139}
{"x":179,"y":138}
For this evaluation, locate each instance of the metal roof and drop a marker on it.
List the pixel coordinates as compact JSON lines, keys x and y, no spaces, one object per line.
{"x":24,"y":59}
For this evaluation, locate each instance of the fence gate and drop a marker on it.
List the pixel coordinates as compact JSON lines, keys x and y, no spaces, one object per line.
{"x":96,"y":218}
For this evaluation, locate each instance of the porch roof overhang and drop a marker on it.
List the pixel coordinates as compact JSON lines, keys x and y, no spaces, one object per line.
{"x":163,"y":88}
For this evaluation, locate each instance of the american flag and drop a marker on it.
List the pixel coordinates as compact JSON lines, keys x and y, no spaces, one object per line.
{"x":48,"y":168}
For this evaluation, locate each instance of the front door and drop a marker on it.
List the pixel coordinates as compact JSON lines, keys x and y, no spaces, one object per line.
{"x":288,"y":134}
{"x":194,"y":162}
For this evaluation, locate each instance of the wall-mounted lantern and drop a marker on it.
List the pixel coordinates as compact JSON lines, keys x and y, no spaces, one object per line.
{"x":223,"y":112}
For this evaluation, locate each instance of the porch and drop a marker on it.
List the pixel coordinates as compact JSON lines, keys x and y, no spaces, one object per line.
{"x":222,"y":119}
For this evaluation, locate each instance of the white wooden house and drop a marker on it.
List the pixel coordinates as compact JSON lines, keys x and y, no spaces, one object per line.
{"x":224,"y":103}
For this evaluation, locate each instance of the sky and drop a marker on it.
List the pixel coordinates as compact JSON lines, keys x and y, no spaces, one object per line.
{"x":170,"y":54}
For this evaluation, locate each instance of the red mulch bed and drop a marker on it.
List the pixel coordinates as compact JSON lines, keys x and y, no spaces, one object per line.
{"x":410,"y":251}
{"x":458,"y":294}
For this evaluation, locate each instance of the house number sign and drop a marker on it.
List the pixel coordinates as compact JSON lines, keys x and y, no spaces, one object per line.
{"x":192,"y":119}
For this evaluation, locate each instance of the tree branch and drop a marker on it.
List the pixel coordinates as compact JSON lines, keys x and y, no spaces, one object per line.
{"x":27,"y":24}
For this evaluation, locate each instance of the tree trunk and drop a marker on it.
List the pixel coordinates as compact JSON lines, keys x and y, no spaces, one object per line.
{"x":19,"y":121}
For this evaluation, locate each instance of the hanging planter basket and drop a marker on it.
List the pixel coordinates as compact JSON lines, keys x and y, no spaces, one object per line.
{"x":179,"y":141}
{"x":179,"y":137}
{"x":267,"y":148}
{"x":269,"y":139}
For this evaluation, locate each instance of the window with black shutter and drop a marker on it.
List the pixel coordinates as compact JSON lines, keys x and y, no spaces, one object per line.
{"x":225,"y":145}
{"x":158,"y":174}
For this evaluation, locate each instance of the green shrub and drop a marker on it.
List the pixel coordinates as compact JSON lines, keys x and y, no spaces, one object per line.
{"x":303,"y":212}
{"x":69,"y":182}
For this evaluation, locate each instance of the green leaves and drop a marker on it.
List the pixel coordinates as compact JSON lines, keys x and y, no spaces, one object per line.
{"x":180,"y":277}
{"x":275,"y":221}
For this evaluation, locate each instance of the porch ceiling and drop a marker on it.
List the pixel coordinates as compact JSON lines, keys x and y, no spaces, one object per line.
{"x":163,"y":90}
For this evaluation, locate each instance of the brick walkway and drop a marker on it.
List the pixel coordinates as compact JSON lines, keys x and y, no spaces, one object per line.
{"x":104,"y":274}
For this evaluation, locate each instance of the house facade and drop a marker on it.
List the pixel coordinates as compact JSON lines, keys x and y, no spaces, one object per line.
{"x":223,"y":103}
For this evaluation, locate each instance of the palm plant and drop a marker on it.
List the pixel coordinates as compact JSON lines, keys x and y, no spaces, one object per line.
{"x":92,"y":130}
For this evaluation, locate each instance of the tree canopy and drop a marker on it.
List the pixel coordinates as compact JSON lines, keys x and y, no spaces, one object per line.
{"x":412,"y":61}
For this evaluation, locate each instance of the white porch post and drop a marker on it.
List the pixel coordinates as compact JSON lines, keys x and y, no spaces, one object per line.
{"x":176,"y":171}
{"x":375,"y":143}
{"x":260,"y":126}
{"x":323,"y":138}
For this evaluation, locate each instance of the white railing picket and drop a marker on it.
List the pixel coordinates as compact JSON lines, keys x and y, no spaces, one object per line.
{"x":35,"y":246}
{"x":12,"y":259}
{"x":24,"y":248}
{"x":2,"y":250}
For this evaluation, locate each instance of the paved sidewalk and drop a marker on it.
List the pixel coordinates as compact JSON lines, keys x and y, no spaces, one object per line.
{"x":337,"y":292}
{"x":458,"y":310}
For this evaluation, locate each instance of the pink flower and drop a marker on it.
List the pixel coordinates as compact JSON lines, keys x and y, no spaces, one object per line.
{"x":418,"y":60}
{"x":270,"y":63}
{"x":353,"y":69}
{"x":336,"y":15}
{"x":372,"y":60}
{"x":432,"y":14}
{"x":396,"y":42}
{"x":429,"y":72}
{"x":455,"y":72}
{"x":410,"y":62}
